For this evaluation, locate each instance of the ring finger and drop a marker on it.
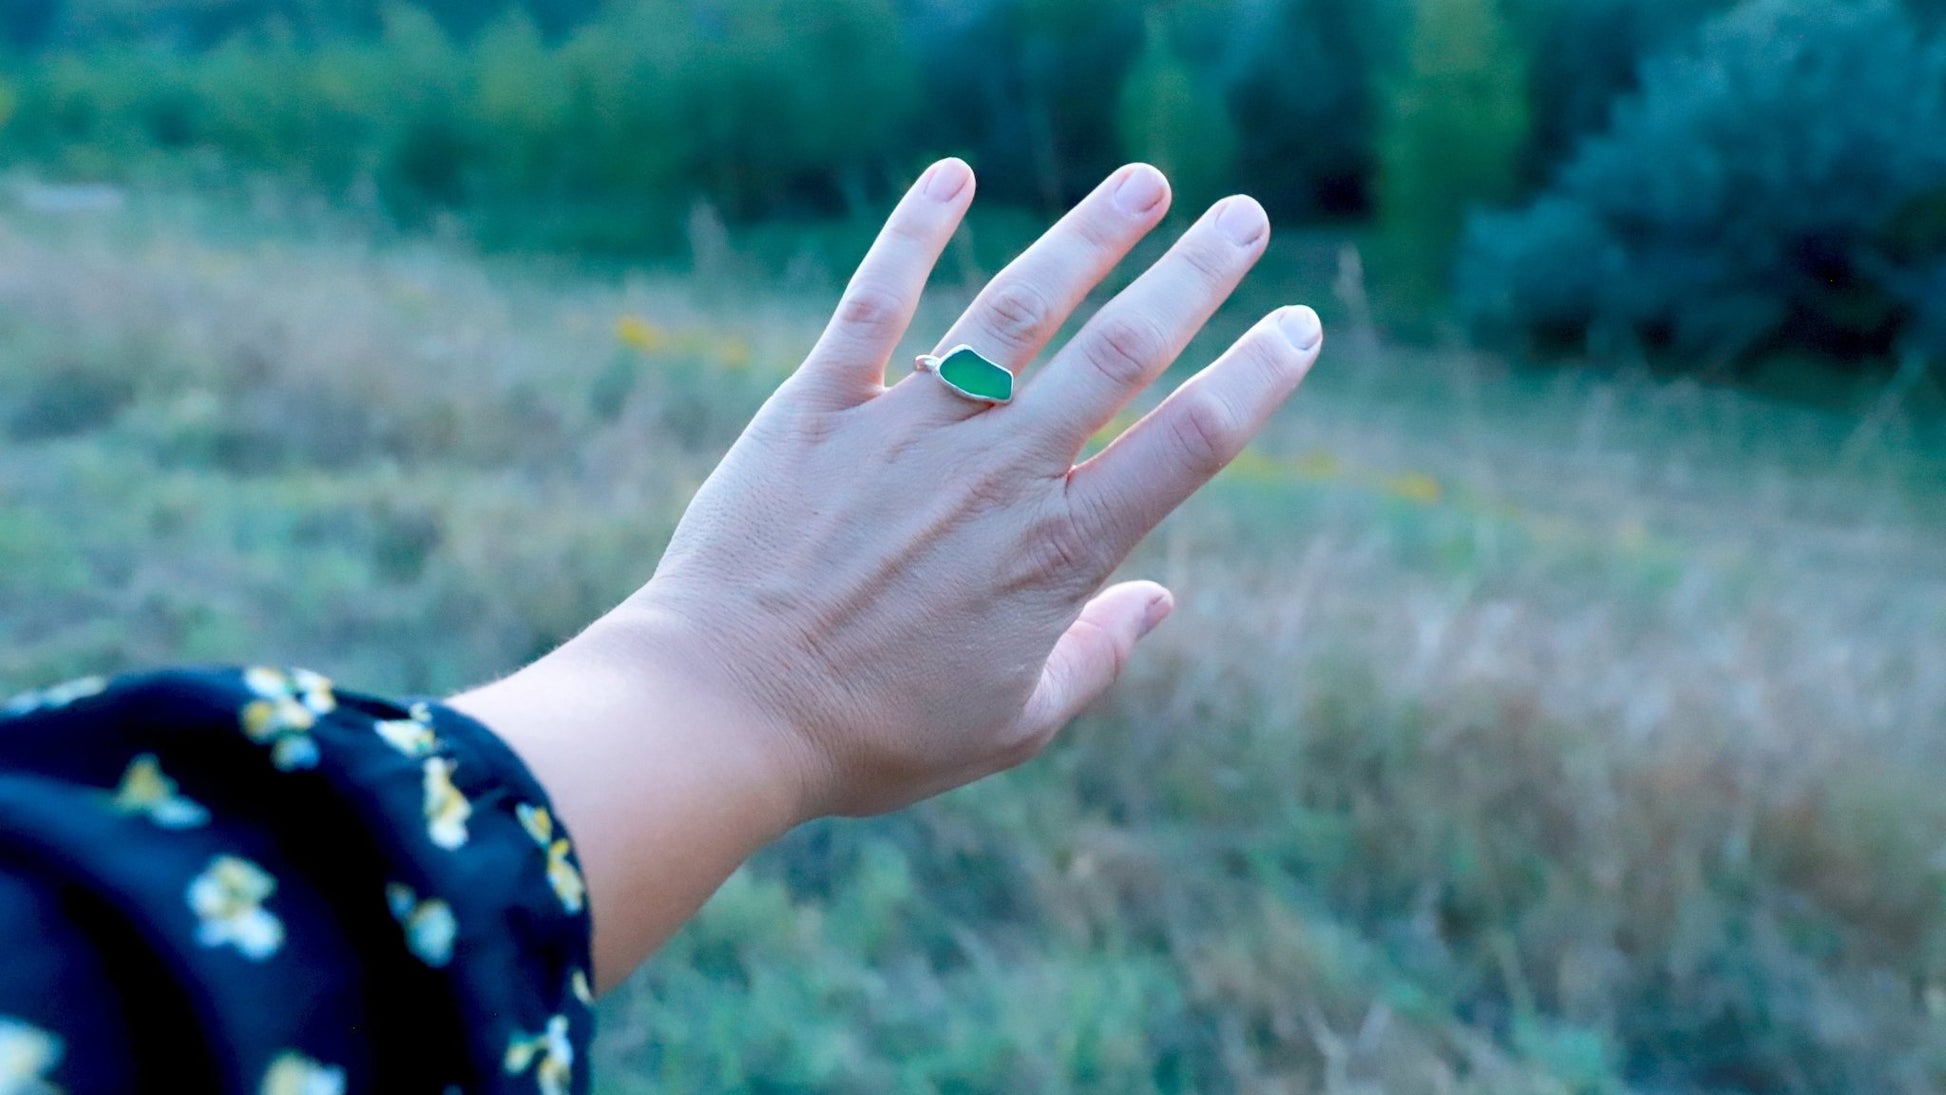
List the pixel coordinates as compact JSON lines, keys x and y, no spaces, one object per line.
{"x":1022,"y":308}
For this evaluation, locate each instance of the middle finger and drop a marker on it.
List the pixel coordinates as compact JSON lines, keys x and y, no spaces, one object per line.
{"x":1023,"y":307}
{"x":1146,"y":327}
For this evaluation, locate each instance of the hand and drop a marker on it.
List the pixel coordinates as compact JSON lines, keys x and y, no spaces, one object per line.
{"x":883,"y":593}
{"x":908,"y":584}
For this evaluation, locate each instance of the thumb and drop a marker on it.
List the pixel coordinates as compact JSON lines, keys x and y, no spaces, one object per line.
{"x":1092,"y":654}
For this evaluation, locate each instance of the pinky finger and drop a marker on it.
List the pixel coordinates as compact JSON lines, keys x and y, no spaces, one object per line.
{"x":1146,"y":473}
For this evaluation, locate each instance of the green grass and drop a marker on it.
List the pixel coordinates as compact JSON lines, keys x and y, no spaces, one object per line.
{"x":1573,"y":732}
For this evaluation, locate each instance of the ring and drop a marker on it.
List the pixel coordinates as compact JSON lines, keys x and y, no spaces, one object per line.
{"x":971,"y":376}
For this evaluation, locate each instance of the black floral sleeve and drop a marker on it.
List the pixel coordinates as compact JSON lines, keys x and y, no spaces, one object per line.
{"x":247,"y":881}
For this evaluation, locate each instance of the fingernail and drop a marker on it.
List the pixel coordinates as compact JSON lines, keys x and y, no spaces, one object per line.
{"x":1159,"y":610}
{"x":945,"y":179}
{"x":1302,"y":327}
{"x":1242,"y":220}
{"x":1141,"y":190}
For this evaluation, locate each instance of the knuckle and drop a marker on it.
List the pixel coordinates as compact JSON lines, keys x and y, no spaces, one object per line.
{"x":1067,"y":549}
{"x":909,"y":226}
{"x":1211,"y":264}
{"x":1113,"y":645}
{"x":1020,"y":313}
{"x":1101,"y":231}
{"x":871,"y":310}
{"x":1205,"y":434}
{"x":990,"y":490}
{"x":1126,"y":349}
{"x":1024,"y":744}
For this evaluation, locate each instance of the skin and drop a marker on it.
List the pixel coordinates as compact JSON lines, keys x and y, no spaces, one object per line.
{"x":883,"y":593}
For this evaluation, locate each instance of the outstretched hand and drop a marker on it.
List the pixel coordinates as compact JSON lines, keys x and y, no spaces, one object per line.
{"x":886,"y":592}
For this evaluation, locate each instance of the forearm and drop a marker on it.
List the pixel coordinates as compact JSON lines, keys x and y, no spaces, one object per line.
{"x":664,"y":783}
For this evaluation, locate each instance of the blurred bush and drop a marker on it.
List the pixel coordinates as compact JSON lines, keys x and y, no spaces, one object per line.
{"x":1172,"y":118}
{"x":1710,"y":195}
{"x":1456,"y":128}
{"x":1775,"y":187}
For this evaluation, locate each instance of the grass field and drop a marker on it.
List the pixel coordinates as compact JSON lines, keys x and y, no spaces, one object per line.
{"x":1574,"y":732}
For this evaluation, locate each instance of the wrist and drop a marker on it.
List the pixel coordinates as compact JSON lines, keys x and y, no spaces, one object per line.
{"x":664,"y":777}
{"x":683,"y":685}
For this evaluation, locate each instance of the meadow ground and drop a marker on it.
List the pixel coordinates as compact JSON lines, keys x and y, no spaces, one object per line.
{"x":1564,"y":732}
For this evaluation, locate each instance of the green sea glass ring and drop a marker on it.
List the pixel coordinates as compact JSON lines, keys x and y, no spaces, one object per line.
{"x":971,"y":376}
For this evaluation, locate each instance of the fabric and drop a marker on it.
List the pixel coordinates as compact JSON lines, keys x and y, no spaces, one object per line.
{"x":246,"y":881}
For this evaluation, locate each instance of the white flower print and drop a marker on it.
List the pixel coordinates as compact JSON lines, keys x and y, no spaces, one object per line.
{"x":430,"y":927}
{"x":549,"y":1054}
{"x":287,"y":707}
{"x":59,"y":696}
{"x":292,"y":1073}
{"x":228,"y":899}
{"x":27,"y":1055}
{"x":146,"y":790}
{"x":561,"y":873}
{"x":408,"y":736}
{"x":446,"y":808}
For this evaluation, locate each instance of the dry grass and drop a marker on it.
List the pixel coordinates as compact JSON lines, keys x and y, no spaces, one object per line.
{"x":1515,"y":734}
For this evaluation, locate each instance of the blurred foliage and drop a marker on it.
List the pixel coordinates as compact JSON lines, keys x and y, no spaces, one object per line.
{"x":1456,"y":128}
{"x":1171,"y":118}
{"x":598,"y":125}
{"x":1775,"y":187}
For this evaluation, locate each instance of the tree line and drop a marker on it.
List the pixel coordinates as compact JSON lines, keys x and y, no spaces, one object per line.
{"x":1762,"y":172}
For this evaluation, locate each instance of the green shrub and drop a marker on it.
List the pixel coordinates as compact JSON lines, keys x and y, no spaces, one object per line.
{"x":1171,"y":117}
{"x":1457,"y":127}
{"x":1751,"y":199}
{"x":1307,"y":103}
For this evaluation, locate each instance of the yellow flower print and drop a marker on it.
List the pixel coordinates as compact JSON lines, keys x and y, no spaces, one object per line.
{"x":292,"y":1073}
{"x":228,"y":899}
{"x":446,"y":809}
{"x":429,"y":925}
{"x":549,"y":1054}
{"x":27,"y":1054}
{"x":49,"y":699}
{"x":413,"y":736}
{"x":561,"y":873}
{"x":145,"y":790}
{"x":288,"y":705}
{"x":578,"y":982}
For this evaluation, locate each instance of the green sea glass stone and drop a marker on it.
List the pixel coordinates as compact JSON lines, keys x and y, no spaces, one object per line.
{"x":977,"y":377}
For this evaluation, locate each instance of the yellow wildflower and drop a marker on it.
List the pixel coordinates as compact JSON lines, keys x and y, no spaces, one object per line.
{"x":548,"y":1053}
{"x":639,"y":334}
{"x":1414,"y":487}
{"x":228,"y":899}
{"x":146,"y":790}
{"x":1319,"y":465}
{"x":430,"y":927}
{"x":561,"y":873}
{"x":733,"y":353}
{"x":446,"y":808}
{"x":1254,"y":467}
{"x":292,"y":1073}
{"x":27,"y":1054}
